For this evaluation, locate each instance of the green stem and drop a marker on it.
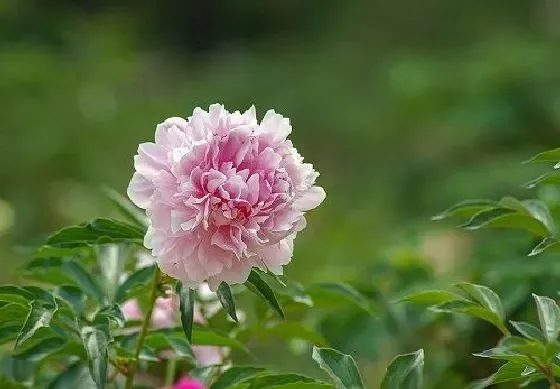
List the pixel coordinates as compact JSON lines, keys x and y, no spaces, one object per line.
{"x":143,"y":330}
{"x":170,"y":371}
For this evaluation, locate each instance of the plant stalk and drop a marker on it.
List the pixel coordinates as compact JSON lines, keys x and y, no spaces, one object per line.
{"x":143,"y":330}
{"x":170,"y":372}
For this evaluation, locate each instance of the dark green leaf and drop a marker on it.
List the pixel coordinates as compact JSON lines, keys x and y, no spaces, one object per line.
{"x":98,"y":231}
{"x":430,"y":297}
{"x":546,"y":156}
{"x":15,"y":294}
{"x":132,"y":213}
{"x":474,"y":310}
{"x":41,"y":349}
{"x":547,"y":245}
{"x":259,"y":287}
{"x":226,"y":299}
{"x":73,"y":296}
{"x":303,"y":385}
{"x":506,"y":218}
{"x":545,"y":179}
{"x":136,"y":283}
{"x":339,"y":294}
{"x":75,"y":377}
{"x":112,"y":313}
{"x":528,"y":330}
{"x":6,"y":383}
{"x":96,"y":342}
{"x":186,"y":296}
{"x":405,"y":371}
{"x":549,"y":317}
{"x":236,"y":375}
{"x":13,"y":313}
{"x":271,"y":380}
{"x":508,"y":372}
{"x":40,"y":315}
{"x":484,"y":296}
{"x":162,"y":341}
{"x":466,"y":209}
{"x":340,"y":367}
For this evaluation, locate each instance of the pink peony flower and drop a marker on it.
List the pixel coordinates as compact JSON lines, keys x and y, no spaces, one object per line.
{"x":223,"y":193}
{"x":188,"y":383}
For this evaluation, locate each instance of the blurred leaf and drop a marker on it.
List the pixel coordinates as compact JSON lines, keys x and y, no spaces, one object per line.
{"x":547,"y":245}
{"x":73,"y":296}
{"x":340,"y":367}
{"x":304,"y":385}
{"x":39,"y":316}
{"x":275,"y":380}
{"x":13,"y":313}
{"x":98,"y":231}
{"x":111,"y":259}
{"x":186,"y":296}
{"x":209,"y":337}
{"x":484,"y":296}
{"x":549,"y":317}
{"x":508,"y":372}
{"x":330,"y":294}
{"x":544,"y":179}
{"x":430,"y":297}
{"x":8,"y":332}
{"x":15,"y":294}
{"x":284,"y":329}
{"x":6,"y":383}
{"x":110,"y":313}
{"x":136,"y":283}
{"x":466,"y":209}
{"x":506,"y":218}
{"x":259,"y":287}
{"x":474,"y":310}
{"x":75,"y":377}
{"x":161,"y":341}
{"x":42,"y":349}
{"x":96,"y":342}
{"x":235,"y":375}
{"x":528,"y":330}
{"x":226,"y":299}
{"x":134,"y":214}
{"x":405,"y":372}
{"x":546,"y":156}
{"x":65,"y":271}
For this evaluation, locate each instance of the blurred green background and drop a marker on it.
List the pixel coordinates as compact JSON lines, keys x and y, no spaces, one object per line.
{"x":405,"y":107}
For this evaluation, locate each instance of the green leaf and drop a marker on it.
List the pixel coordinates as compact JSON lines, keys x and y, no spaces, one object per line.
{"x":75,"y":377}
{"x":236,"y":375}
{"x":13,"y":313}
{"x":466,"y":209}
{"x":544,"y":179}
{"x":546,"y":156}
{"x":405,"y":371}
{"x":506,"y":218}
{"x":110,"y":313}
{"x":259,"y":287}
{"x":288,"y":330}
{"x":528,"y":330}
{"x":340,"y":367}
{"x":42,"y":349}
{"x":226,"y":299}
{"x":484,"y":296}
{"x":304,"y":385}
{"x":66,"y":271}
{"x":15,"y":294}
{"x":135,"y":284}
{"x":96,"y":342}
{"x":272,"y":380}
{"x":73,"y":296}
{"x":112,"y":259}
{"x":339,"y":294}
{"x":208,"y":337}
{"x":473,"y":309}
{"x":186,"y":309}
{"x":6,"y":383}
{"x":132,"y":213}
{"x":39,"y":316}
{"x":549,"y":317}
{"x":430,"y":297}
{"x":510,"y":371}
{"x":162,"y":341}
{"x":98,"y":231}
{"x":547,"y":245}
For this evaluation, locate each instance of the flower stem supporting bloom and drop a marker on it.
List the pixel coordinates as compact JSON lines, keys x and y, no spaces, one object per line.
{"x":143,"y":330}
{"x":170,"y":371}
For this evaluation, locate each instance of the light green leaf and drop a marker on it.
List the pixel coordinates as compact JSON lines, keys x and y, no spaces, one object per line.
{"x":546,"y":156}
{"x":259,"y":287}
{"x":430,"y":297}
{"x":15,"y":294}
{"x":111,"y":259}
{"x":13,"y":313}
{"x":39,"y":316}
{"x":339,"y":294}
{"x":405,"y":371}
{"x":132,"y":213}
{"x":510,"y":371}
{"x":528,"y":330}
{"x":110,"y":313}
{"x":186,"y":309}
{"x":506,"y":218}
{"x":73,"y":296}
{"x":484,"y":296}
{"x":65,"y":271}
{"x":226,"y":299}
{"x":236,"y":375}
{"x":6,"y":383}
{"x":544,"y":179}
{"x":547,"y":245}
{"x":474,"y":310}
{"x":162,"y":341}
{"x":135,"y":284}
{"x":304,"y":385}
{"x":98,"y":231}
{"x":549,"y":317}
{"x":466,"y":209}
{"x":340,"y":367}
{"x":272,"y":380}
{"x":75,"y":377}
{"x":42,"y":349}
{"x":96,"y":342}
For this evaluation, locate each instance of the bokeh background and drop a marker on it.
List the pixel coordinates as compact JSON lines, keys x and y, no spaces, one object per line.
{"x":405,"y":107}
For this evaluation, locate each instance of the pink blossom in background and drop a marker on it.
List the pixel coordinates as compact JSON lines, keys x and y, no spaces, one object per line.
{"x":189,"y":383}
{"x":223,"y":193}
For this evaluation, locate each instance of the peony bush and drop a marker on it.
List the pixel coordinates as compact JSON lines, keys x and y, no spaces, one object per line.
{"x":218,"y":200}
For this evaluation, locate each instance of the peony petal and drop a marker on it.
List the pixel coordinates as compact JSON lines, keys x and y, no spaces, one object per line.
{"x":310,"y":199}
{"x":140,"y":190}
